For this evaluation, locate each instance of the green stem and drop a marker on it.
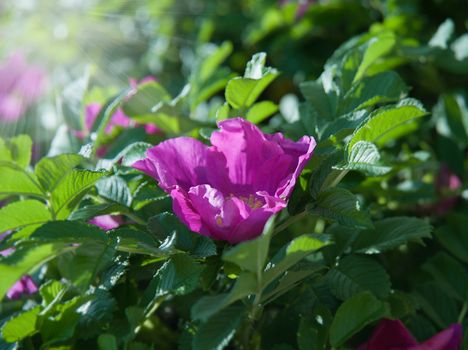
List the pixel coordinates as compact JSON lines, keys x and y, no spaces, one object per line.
{"x":291,"y":220}
{"x":462,"y":315}
{"x":338,"y":179}
{"x":135,"y":218}
{"x":154,"y":305}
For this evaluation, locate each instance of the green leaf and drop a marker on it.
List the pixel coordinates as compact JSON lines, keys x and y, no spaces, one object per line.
{"x":50,"y":171}
{"x":133,"y":241}
{"x":355,"y":274}
{"x":428,"y":299}
{"x":313,"y":328}
{"x":21,"y":326}
{"x":115,"y":189}
{"x":386,"y":119}
{"x":313,"y":91}
{"x":451,"y":114}
{"x":340,"y":205}
{"x":442,"y":36}
{"x":68,"y":232}
{"x":290,"y":255}
{"x":86,"y":262}
{"x":222,"y":112}
{"x":96,"y":315}
{"x":380,"y":88}
{"x":145,"y":97}
{"x":255,"y":68}
{"x":246,"y":284}
{"x":50,"y":290}
{"x":364,"y":157}
{"x":453,"y":236}
{"x":25,"y":260}
{"x":166,"y":225}
{"x":251,"y":256}
{"x":179,"y":276}
{"x":20,"y":150}
{"x":60,"y":322}
{"x":353,"y":315}
{"x":69,"y":191}
{"x":107,"y":342}
{"x":376,"y":48}
{"x":16,"y":181}
{"x":23,"y":213}
{"x":449,"y":274}
{"x":288,"y":281}
{"x":211,"y":63}
{"x":260,"y":111}
{"x":390,"y":233}
{"x":217,"y":332}
{"x":242,"y":92}
{"x":132,"y":153}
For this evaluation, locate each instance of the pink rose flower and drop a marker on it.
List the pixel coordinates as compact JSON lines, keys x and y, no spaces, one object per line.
{"x":393,"y":335}
{"x":228,"y":191}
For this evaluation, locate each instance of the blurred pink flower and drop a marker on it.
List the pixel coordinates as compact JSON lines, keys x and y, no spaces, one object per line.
{"x":21,"y":85}
{"x":118,"y":119}
{"x":106,"y":222}
{"x":302,"y":7}
{"x":228,"y":191}
{"x":393,"y":335}
{"x":25,"y":285}
{"x":446,"y":181}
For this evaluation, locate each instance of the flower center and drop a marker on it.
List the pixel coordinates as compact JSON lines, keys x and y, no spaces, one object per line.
{"x":251,"y":201}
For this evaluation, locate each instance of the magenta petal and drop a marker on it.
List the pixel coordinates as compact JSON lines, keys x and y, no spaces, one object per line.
{"x":389,"y":335}
{"x":448,"y":339}
{"x":186,"y":213}
{"x":208,"y":203}
{"x":183,"y":162}
{"x":119,"y":118}
{"x":252,"y":226}
{"x":300,"y":152}
{"x":259,"y":162}
{"x":106,"y":222}
{"x":24,"y":286}
{"x":152,"y":129}
{"x":245,"y":148}
{"x":91,"y":113}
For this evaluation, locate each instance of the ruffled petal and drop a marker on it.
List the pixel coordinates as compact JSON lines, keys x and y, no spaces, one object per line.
{"x":245,"y":149}
{"x":300,"y":152}
{"x":389,"y":335}
{"x":260,"y":162}
{"x":448,"y":339}
{"x":185,"y":211}
{"x":184,"y":162}
{"x":176,"y":162}
{"x":252,"y":225}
